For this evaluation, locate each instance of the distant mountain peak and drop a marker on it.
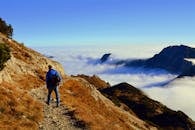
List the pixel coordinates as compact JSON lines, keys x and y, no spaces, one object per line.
{"x":105,"y":57}
{"x":171,"y":58}
{"x":182,"y":51}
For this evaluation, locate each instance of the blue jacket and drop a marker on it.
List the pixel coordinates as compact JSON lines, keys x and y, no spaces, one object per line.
{"x":49,"y":75}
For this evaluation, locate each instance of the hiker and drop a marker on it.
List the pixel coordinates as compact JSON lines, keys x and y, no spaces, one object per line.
{"x":52,"y":80}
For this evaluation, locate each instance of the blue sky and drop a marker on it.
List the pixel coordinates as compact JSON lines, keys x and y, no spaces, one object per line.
{"x":64,"y":22}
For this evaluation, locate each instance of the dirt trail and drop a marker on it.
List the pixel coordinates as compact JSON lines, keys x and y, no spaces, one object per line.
{"x":54,"y":117}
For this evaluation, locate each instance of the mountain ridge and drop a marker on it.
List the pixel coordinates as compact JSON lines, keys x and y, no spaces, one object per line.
{"x":172,"y":59}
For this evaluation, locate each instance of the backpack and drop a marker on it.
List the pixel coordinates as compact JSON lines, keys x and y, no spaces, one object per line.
{"x":55,"y":80}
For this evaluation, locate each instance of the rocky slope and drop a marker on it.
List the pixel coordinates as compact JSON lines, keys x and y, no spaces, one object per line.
{"x":25,"y":61}
{"x":23,"y":107}
{"x":23,"y":72}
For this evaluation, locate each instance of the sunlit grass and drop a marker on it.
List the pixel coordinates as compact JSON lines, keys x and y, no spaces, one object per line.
{"x":18,"y":109}
{"x":91,"y":107}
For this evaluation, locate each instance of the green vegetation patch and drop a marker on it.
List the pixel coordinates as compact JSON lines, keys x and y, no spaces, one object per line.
{"x":4,"y":55}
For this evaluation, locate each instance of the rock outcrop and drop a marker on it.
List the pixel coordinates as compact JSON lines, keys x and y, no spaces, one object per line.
{"x":25,"y":61}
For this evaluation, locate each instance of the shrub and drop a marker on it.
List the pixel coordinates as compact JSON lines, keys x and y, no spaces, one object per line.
{"x":4,"y":55}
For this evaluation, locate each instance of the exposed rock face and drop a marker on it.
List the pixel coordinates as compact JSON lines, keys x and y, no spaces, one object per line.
{"x":25,"y":61}
{"x":148,"y":109}
{"x":172,"y":59}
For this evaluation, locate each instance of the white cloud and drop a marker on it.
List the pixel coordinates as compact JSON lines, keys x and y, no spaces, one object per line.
{"x":178,"y":95}
{"x":191,"y":60}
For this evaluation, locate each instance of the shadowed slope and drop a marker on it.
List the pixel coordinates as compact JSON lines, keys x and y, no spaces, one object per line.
{"x":148,"y":109}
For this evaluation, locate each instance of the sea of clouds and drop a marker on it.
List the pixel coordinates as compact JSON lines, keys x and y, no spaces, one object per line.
{"x":157,"y":84}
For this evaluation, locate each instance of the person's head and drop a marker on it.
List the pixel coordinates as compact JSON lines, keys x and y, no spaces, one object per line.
{"x":49,"y":67}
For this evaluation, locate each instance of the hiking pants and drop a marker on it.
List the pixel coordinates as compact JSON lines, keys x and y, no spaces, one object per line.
{"x":55,"y":89}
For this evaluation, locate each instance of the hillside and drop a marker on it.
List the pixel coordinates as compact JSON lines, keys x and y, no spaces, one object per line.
{"x":23,"y":78}
{"x":148,"y":109}
{"x":23,"y":72}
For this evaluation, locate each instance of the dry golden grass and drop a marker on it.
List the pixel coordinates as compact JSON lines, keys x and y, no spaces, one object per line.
{"x":18,"y":110}
{"x":28,"y":82}
{"x":95,"y":80}
{"x":98,"y":116}
{"x":19,"y":51}
{"x":25,"y":71}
